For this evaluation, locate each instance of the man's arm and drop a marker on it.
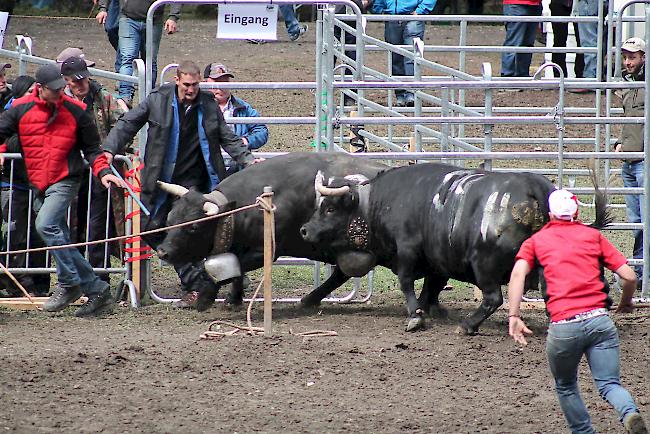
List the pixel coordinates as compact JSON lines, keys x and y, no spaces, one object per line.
{"x":103,"y":8}
{"x":231,"y":143}
{"x":257,"y":134}
{"x":517,"y":327}
{"x":126,"y":127}
{"x":8,"y":127}
{"x":628,"y":276}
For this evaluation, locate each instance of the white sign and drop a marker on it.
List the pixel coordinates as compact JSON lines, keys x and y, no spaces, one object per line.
{"x":237,"y":21}
{"x":4,"y":16}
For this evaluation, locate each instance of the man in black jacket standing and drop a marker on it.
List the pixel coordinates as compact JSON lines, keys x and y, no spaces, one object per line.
{"x":186,"y":134}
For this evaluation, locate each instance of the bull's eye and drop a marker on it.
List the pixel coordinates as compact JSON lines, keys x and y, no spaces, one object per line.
{"x":329,"y":210}
{"x":194,"y":228}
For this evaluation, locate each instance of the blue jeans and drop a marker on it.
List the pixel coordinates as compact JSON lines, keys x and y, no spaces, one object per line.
{"x":632,"y":174}
{"x":72,"y":269}
{"x":589,"y":33}
{"x":132,"y":42}
{"x":112,"y":26}
{"x":290,"y":21}
{"x":402,"y":33}
{"x":597,"y":338}
{"x":519,"y":34}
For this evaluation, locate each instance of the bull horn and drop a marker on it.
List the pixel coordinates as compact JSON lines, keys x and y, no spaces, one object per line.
{"x":175,"y":189}
{"x":329,"y":191}
{"x":210,"y":208}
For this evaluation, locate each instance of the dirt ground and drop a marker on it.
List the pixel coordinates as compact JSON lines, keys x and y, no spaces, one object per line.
{"x":148,"y":371}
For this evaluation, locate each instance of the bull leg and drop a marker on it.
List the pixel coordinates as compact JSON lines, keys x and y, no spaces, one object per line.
{"x":336,"y":279}
{"x":415,"y":313}
{"x":431,"y":289}
{"x":492,"y":299}
{"x":236,"y":296}
{"x":195,"y":278}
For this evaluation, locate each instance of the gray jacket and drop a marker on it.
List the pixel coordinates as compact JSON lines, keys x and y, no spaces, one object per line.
{"x":632,"y":134}
{"x":137,"y":9}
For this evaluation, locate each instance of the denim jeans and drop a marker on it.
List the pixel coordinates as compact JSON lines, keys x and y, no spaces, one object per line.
{"x":132,"y":42}
{"x":402,"y":33}
{"x":632,"y":174}
{"x":72,"y":269}
{"x":597,"y":338}
{"x":589,"y":33}
{"x":112,"y":28}
{"x":290,"y":21}
{"x":518,"y":34}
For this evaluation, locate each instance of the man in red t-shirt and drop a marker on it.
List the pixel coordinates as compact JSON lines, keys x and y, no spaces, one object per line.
{"x":572,"y":255}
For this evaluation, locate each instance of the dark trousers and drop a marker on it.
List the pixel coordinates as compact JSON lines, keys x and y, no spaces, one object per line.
{"x":19,"y":227}
{"x":560,"y":34}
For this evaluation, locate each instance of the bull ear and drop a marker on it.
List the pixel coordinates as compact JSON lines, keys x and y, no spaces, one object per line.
{"x":210,"y":208}
{"x":177,"y":190}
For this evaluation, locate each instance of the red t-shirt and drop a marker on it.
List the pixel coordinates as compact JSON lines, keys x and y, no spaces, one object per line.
{"x":571,"y":254}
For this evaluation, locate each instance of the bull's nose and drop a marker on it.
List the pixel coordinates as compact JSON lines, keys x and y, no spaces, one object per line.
{"x":303,"y":232}
{"x":162,"y":253}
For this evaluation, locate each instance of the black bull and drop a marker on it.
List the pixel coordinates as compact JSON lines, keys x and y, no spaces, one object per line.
{"x":436,"y":222}
{"x":292,"y":178}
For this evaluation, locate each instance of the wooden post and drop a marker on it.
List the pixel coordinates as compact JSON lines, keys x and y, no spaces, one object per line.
{"x":268,"y":260}
{"x":412,"y":147}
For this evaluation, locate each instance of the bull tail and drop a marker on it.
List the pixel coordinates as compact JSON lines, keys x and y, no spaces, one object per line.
{"x":603,"y":212}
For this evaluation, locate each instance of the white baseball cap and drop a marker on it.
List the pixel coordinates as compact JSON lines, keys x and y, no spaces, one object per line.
{"x":563,"y":204}
{"x":633,"y":45}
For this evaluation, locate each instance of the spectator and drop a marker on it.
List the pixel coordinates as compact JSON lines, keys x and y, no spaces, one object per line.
{"x":16,"y":215}
{"x":186,"y":135}
{"x":563,"y":8}
{"x":519,"y":34}
{"x":403,"y":32}
{"x":294,"y":29}
{"x":73,"y":52}
{"x":53,"y":130}
{"x":132,"y":37}
{"x":589,"y":36}
{"x":254,"y":136}
{"x":631,"y":140}
{"x":105,"y":112}
{"x":572,"y":256}
{"x":5,"y":90}
{"x":350,"y":38}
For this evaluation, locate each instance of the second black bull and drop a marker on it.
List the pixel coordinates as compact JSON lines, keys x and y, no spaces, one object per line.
{"x":436,"y":222}
{"x":292,"y":178}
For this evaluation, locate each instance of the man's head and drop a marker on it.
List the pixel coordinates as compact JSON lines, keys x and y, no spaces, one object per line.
{"x":215,"y":73}
{"x":633,"y":51}
{"x":73,"y":52}
{"x":3,"y":79}
{"x":563,"y":205}
{"x":22,"y":84}
{"x":51,"y":83}
{"x":188,"y":76}
{"x":76,"y":74}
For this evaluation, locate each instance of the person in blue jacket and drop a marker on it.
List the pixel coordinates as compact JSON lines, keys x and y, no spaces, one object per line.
{"x":252,"y":135}
{"x":403,"y":32}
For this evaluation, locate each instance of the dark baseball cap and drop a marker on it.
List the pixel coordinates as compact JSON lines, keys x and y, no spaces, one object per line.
{"x":217,"y":70}
{"x":49,"y":75}
{"x":75,"y":67}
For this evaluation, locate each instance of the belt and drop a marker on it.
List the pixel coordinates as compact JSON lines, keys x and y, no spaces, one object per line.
{"x":583,"y":316}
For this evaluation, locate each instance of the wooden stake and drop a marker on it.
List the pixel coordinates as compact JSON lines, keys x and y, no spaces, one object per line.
{"x":269,"y":226}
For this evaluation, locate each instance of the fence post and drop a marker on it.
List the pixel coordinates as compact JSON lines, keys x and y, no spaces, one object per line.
{"x":267,"y":198}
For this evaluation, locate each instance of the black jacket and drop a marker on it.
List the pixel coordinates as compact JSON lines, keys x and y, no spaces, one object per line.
{"x":137,"y":9}
{"x":157,"y":110}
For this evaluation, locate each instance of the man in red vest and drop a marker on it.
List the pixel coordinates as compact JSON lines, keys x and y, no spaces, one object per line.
{"x":53,"y":129}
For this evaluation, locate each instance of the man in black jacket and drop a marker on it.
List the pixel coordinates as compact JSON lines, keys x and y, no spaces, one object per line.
{"x":186,"y":134}
{"x":132,"y":36}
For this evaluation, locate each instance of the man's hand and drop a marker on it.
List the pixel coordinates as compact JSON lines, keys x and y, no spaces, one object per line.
{"x":618,"y":147}
{"x":109,"y":157}
{"x":101,"y":17}
{"x":625,"y":307}
{"x":244,"y":140}
{"x":109,"y":179}
{"x":258,"y":160}
{"x":170,"y":27}
{"x":2,"y":159}
{"x":518,"y":330}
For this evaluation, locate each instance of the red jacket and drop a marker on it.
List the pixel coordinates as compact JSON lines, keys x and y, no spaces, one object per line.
{"x":50,"y":138}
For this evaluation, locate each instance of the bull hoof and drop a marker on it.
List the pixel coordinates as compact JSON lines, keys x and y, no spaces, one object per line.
{"x":205,"y":301}
{"x":234,"y":305}
{"x":414,"y":324}
{"x":465,"y":330}
{"x":308,"y":304}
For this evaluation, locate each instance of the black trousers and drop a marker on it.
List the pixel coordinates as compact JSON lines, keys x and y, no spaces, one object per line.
{"x":560,"y":34}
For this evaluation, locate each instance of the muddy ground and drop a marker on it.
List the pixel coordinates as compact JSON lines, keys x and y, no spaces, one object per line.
{"x":148,"y":371}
